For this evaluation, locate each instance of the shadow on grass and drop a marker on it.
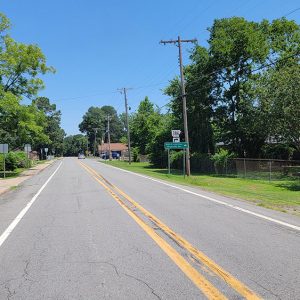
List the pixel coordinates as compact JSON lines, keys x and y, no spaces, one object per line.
{"x":291,"y":186}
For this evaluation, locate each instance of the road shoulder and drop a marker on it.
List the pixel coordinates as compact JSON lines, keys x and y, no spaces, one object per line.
{"x":9,"y":184}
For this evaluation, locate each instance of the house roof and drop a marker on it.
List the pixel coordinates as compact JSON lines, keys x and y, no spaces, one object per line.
{"x":113,"y":147}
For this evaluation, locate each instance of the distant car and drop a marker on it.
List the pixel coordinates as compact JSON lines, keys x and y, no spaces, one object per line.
{"x":104,"y":156}
{"x":114,"y":155}
{"x":81,"y":156}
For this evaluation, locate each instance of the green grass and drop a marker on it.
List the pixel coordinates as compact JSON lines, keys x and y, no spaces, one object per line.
{"x":12,"y":174}
{"x":283,"y":195}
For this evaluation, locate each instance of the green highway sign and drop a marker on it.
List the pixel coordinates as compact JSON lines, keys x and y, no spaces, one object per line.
{"x":180,"y":145}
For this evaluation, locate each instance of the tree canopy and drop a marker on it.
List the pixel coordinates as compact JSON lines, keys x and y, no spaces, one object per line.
{"x":37,"y":123}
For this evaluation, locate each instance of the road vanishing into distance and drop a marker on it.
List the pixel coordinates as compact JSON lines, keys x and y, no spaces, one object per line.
{"x":85,"y":230}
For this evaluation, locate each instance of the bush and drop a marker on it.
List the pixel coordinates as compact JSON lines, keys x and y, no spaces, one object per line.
{"x":176,"y":159}
{"x":135,"y":154}
{"x":202,"y":163}
{"x":10,"y":162}
{"x":14,"y":160}
{"x":220,"y":160}
{"x":22,"y":160}
{"x":277,"y":151}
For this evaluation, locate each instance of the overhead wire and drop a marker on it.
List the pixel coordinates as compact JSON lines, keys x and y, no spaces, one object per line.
{"x":251,"y":72}
{"x":152,"y":82}
{"x":291,"y":12}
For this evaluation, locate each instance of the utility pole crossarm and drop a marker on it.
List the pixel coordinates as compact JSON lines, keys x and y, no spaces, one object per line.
{"x":176,"y":41}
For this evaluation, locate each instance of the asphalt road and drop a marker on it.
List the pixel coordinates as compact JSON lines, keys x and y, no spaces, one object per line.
{"x":84,"y":230}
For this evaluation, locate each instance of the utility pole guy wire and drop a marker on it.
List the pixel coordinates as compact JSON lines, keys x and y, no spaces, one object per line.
{"x":183,"y":95}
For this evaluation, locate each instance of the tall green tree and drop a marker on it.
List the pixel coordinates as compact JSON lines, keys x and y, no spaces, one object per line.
{"x":144,"y":124}
{"x":237,"y":47}
{"x":224,"y":79}
{"x":20,"y":124}
{"x":116,"y":125}
{"x":280,"y":96}
{"x":200,"y":102}
{"x":20,"y":68}
{"x":53,"y":129}
{"x":74,"y":144}
{"x":96,"y":117}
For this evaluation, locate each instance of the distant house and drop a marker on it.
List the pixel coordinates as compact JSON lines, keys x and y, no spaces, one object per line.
{"x":120,"y":148}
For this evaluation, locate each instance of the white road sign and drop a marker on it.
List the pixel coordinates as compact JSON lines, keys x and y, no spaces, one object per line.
{"x":176,"y":133}
{"x":27,"y":148}
{"x":3,"y":148}
{"x":176,"y":140}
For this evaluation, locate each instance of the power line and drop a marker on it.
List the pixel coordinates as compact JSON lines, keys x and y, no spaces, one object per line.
{"x":251,"y":72}
{"x":291,"y":12}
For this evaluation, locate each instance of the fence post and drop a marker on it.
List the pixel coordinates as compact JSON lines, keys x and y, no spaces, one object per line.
{"x":245,"y":171}
{"x":270,"y":170}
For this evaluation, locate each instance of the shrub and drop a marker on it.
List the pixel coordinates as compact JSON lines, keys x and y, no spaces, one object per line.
{"x":220,"y":160}
{"x":202,"y":163}
{"x":14,"y":160}
{"x":22,"y":160}
{"x":10,"y":162}
{"x":135,"y":154}
{"x":176,"y":159}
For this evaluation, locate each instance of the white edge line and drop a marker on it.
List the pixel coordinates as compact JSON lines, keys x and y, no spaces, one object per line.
{"x":214,"y":200}
{"x":21,"y":214}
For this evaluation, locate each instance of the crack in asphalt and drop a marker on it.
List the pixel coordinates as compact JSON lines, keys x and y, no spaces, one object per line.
{"x":10,"y":293}
{"x":268,"y":290}
{"x":143,"y":282}
{"x":106,"y":263}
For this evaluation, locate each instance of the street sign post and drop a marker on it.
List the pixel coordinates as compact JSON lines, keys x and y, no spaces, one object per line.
{"x":46,"y":151}
{"x":4,"y":150}
{"x":27,"y":149}
{"x":179,"y":146}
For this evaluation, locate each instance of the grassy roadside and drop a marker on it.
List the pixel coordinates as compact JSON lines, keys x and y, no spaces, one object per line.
{"x":17,"y":172}
{"x":12,"y":174}
{"x":283,"y":195}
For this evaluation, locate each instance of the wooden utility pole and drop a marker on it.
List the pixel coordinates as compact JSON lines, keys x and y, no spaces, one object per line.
{"x":183,"y":95}
{"x":108,"y":134}
{"x":123,"y":91}
{"x":95,"y":130}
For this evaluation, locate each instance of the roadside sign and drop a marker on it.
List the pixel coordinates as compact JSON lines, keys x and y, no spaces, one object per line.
{"x":176,"y":140}
{"x":176,"y":133}
{"x":27,"y":148}
{"x":3,"y":148}
{"x":46,"y":150}
{"x":178,"y":145}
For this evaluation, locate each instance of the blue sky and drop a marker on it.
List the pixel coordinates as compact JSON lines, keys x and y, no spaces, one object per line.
{"x":100,"y":46}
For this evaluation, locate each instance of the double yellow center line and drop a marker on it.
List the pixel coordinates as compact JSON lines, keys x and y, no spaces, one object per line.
{"x":198,"y":279}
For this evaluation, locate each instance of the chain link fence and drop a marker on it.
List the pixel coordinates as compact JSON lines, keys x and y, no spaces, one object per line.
{"x":268,"y":169}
